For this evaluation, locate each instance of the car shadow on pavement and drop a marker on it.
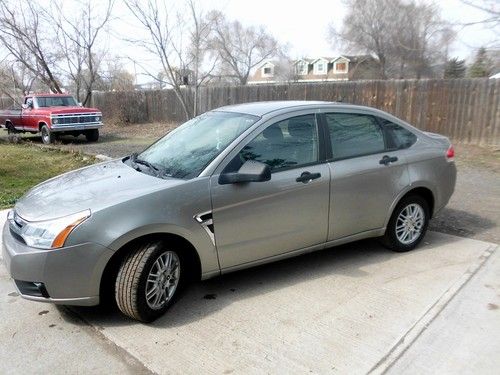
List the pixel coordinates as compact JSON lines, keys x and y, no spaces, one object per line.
{"x":204,"y":298}
{"x":460,"y":223}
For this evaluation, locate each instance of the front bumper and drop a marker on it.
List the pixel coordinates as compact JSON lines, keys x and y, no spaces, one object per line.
{"x":75,"y":127}
{"x":70,"y":275}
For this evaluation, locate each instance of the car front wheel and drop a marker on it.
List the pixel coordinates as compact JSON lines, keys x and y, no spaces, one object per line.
{"x":149,"y":280}
{"x":408,"y":224}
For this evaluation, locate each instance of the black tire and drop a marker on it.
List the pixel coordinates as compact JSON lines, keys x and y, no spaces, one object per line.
{"x":390,"y":238}
{"x":92,"y":135}
{"x":12,"y":134}
{"x":47,"y":135}
{"x":131,"y":282}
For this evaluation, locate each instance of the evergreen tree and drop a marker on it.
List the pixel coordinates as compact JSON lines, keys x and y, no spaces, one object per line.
{"x":481,"y":67}
{"x":454,"y":68}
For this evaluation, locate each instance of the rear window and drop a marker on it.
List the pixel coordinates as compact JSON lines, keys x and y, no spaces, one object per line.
{"x":399,"y":137}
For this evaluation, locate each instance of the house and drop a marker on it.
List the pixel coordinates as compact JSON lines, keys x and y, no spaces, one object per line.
{"x":320,"y":69}
{"x":264,"y":73}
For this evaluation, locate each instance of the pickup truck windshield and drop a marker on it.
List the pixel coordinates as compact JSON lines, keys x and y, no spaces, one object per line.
{"x":56,"y":101}
{"x":186,"y":151}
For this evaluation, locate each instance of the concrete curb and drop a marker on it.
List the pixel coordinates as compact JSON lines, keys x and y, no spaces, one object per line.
{"x":408,"y":338}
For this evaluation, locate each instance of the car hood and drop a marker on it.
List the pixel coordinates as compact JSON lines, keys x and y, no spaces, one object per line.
{"x":95,"y":187}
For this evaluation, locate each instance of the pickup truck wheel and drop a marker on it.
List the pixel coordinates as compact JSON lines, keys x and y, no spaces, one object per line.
{"x":149,"y":280}
{"x":47,"y":135}
{"x":12,"y":134}
{"x":92,"y":135}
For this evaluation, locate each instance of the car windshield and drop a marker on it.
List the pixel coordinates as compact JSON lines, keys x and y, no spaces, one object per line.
{"x":56,"y":101}
{"x":186,"y":151}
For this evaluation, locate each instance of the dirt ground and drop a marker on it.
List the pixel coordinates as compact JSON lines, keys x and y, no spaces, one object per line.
{"x":473,"y":211}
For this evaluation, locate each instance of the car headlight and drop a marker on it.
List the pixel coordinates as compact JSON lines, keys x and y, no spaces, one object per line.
{"x":98,"y":118}
{"x":51,"y":234}
{"x":55,"y":121}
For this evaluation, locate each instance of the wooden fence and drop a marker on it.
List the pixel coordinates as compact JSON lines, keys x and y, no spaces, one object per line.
{"x":466,"y":110}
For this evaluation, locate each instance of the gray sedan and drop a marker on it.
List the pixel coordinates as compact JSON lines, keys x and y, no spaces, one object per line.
{"x":233,"y":188}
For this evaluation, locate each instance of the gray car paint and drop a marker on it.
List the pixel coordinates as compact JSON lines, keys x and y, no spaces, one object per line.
{"x":255,"y":224}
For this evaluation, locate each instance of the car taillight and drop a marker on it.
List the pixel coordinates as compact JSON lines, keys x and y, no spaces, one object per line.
{"x":450,"y":153}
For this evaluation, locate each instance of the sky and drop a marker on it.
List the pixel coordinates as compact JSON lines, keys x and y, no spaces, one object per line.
{"x":303,"y":27}
{"x":300,"y":25}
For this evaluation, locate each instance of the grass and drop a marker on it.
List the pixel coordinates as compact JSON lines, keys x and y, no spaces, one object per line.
{"x":23,"y":166}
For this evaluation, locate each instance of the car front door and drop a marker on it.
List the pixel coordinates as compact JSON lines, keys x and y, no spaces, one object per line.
{"x":367,"y":174}
{"x":257,"y":220}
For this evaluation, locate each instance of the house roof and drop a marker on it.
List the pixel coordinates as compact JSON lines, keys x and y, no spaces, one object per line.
{"x":269,"y":62}
{"x":354,"y":58}
{"x":327,"y":59}
{"x":305,"y":59}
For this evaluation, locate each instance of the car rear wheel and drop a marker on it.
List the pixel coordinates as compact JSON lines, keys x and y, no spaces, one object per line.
{"x":92,"y":135}
{"x":47,"y":135}
{"x":408,"y":224}
{"x":149,"y":280}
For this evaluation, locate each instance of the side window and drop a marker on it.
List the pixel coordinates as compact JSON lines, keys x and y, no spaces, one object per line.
{"x":288,"y":143}
{"x":399,"y":137}
{"x":354,"y":135}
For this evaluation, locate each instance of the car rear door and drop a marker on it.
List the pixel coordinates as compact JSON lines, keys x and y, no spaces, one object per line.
{"x":367,"y":173}
{"x":258,"y":220}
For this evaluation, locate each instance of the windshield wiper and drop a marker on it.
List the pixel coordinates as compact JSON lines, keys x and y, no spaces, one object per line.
{"x":135,"y":160}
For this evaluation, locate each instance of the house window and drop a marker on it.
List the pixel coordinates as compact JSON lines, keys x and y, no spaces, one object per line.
{"x":267,"y":71}
{"x":320,"y":68}
{"x":302,"y":68}
{"x":340,"y":67}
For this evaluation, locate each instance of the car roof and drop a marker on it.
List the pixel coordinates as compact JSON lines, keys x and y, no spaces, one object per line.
{"x":263,"y":108}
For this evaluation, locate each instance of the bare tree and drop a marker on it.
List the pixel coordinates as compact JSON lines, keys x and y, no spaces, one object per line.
{"x":421,"y":40}
{"x":23,"y":34}
{"x":79,"y":39}
{"x":183,"y":68}
{"x":491,"y":9}
{"x":407,"y":38}
{"x":199,"y":38}
{"x":368,"y":28}
{"x":115,"y":77}
{"x":240,"y":48}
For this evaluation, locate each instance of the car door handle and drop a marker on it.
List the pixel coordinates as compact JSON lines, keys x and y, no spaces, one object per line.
{"x":305,"y":177}
{"x":388,"y":159}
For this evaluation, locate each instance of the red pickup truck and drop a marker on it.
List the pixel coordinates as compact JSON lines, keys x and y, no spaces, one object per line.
{"x":52,"y":115}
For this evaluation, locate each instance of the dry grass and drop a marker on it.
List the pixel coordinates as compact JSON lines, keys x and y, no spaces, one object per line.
{"x":23,"y":166}
{"x":487,"y":157}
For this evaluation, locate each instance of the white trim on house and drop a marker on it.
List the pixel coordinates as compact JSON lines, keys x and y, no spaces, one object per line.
{"x":302,"y":68}
{"x":267,"y":65}
{"x":341,"y":61}
{"x":324,"y":64}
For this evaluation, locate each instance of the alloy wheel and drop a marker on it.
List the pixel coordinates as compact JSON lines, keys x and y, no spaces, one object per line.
{"x":163,"y":279}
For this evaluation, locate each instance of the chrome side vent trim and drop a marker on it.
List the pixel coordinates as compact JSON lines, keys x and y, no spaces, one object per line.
{"x":207,"y":222}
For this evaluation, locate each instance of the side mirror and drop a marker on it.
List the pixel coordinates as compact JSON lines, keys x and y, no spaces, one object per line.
{"x":80,"y":104}
{"x":24,"y":106}
{"x":250,"y":171}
